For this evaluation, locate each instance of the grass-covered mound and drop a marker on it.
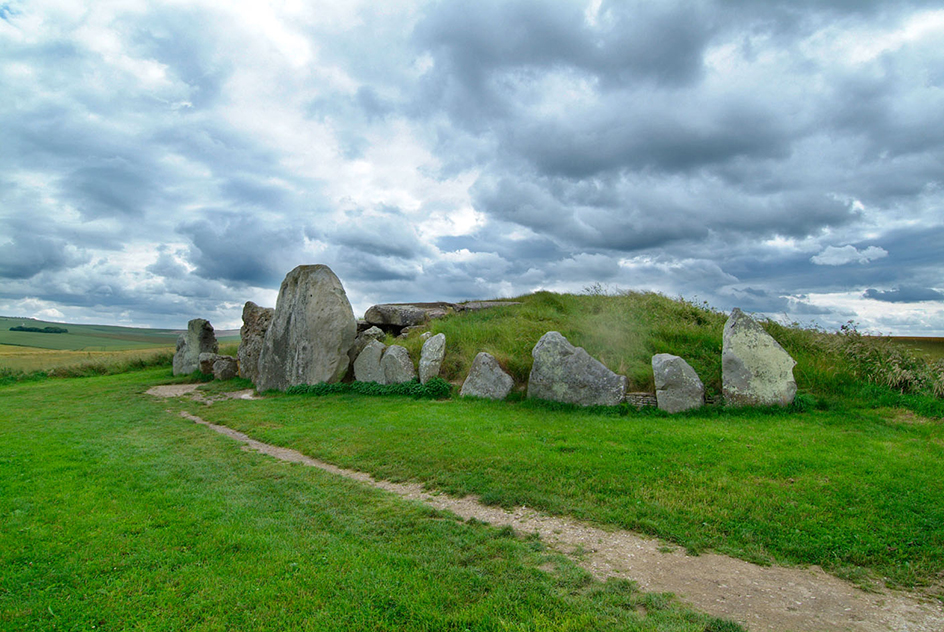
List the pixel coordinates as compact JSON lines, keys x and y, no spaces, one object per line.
{"x":624,"y":330}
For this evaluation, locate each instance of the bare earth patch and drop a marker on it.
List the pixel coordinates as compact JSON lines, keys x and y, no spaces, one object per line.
{"x":758,"y":597}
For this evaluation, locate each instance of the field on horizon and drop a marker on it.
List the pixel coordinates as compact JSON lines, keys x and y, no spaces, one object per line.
{"x":83,"y":344}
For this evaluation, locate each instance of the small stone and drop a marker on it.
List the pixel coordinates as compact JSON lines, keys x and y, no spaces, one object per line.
{"x":367,"y":366}
{"x":486,"y":379}
{"x":678,"y":387}
{"x":205,"y":362}
{"x":397,"y":366}
{"x":225,"y":368}
{"x":431,"y":357}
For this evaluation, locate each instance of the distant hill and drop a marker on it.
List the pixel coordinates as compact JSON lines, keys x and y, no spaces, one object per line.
{"x":92,"y":337}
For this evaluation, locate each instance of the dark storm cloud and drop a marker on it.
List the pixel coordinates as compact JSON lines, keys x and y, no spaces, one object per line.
{"x":28,"y":255}
{"x":904,"y":294}
{"x":242,"y":249}
{"x":386,"y":234}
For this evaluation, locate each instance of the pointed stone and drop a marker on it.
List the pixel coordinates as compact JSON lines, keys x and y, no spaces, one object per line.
{"x":486,"y":379}
{"x":431,"y":357}
{"x":755,"y":369}
{"x":564,"y":373}
{"x":397,"y":365}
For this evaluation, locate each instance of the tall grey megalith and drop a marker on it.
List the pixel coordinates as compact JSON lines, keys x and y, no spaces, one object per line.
{"x":256,"y":321}
{"x":755,"y":369}
{"x":431,"y":357}
{"x":312,"y":330}
{"x":199,"y":338}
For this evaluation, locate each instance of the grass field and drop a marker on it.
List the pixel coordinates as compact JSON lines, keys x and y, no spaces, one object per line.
{"x":119,"y":515}
{"x":858,"y":490}
{"x":931,"y":347}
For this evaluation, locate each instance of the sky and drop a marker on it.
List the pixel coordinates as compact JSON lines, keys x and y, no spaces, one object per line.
{"x":162,"y":161}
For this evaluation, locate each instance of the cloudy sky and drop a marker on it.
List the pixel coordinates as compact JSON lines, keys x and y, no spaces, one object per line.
{"x":161,"y":161}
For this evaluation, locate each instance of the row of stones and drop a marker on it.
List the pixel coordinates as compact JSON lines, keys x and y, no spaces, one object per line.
{"x":310,"y":337}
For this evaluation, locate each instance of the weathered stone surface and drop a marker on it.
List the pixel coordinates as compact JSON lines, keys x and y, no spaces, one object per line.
{"x":361,"y":340}
{"x":397,"y":366}
{"x":678,"y":387}
{"x":564,"y":373}
{"x":256,"y":321}
{"x":199,"y":338}
{"x":755,"y":369}
{"x":431,"y":357}
{"x":367,"y":367}
{"x":225,"y":367}
{"x":396,"y":315}
{"x":486,"y":379}
{"x":205,"y":362}
{"x":311,"y":332}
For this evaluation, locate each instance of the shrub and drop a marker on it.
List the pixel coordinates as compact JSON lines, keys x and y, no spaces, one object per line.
{"x":436,"y":388}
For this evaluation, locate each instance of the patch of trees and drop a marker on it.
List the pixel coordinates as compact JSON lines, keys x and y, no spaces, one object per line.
{"x":41,"y":330}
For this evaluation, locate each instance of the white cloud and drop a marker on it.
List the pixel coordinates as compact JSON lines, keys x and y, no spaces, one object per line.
{"x":838,"y":256}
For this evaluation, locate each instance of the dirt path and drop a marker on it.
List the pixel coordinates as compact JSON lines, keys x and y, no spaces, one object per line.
{"x":759,"y":597}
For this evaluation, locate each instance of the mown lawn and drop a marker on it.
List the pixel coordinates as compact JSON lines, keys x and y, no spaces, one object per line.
{"x":116,"y":514}
{"x":858,"y":490}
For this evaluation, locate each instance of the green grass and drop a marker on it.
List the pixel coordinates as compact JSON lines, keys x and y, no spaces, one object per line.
{"x":624,"y":330}
{"x":116,"y":514}
{"x":932,"y":348}
{"x":858,"y":490}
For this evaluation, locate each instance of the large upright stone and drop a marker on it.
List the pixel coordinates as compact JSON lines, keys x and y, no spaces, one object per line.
{"x":564,"y":373}
{"x":486,"y":379}
{"x":397,"y":366}
{"x":367,"y":367}
{"x":311,"y":332}
{"x":256,"y":321}
{"x":200,"y":338}
{"x":431,"y":357}
{"x":755,"y":369}
{"x":678,"y":387}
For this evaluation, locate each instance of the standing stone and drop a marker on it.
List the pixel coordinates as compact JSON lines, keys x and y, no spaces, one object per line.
{"x":486,"y":379}
{"x":200,"y":338}
{"x":225,"y":367}
{"x":678,"y":387}
{"x":256,"y":321}
{"x":755,"y":369}
{"x":431,"y":357}
{"x":397,"y":366}
{"x":367,"y":367}
{"x":564,"y":373}
{"x":311,"y":332}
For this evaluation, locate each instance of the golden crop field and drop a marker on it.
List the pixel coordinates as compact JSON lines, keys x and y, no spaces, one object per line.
{"x":29,"y":359}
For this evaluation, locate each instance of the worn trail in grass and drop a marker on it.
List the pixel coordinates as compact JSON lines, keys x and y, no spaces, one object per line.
{"x":763,"y":598}
{"x":117,"y":515}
